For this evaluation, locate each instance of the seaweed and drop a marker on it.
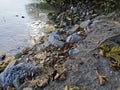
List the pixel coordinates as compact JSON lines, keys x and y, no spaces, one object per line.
{"x":113,"y":54}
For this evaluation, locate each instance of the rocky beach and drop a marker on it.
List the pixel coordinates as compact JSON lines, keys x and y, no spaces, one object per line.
{"x":79,"y":50}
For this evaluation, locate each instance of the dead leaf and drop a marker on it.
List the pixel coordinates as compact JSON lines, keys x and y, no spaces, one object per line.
{"x":102,"y":79}
{"x":74,"y":88}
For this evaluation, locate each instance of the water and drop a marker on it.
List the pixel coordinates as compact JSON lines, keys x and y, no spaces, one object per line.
{"x":16,"y":32}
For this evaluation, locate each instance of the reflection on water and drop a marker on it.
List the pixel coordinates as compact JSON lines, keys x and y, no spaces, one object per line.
{"x":15,"y":31}
{"x":39,"y":10}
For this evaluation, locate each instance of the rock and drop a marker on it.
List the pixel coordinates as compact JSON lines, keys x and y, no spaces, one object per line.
{"x":17,"y":15}
{"x":11,"y":76}
{"x":74,"y":9}
{"x":60,"y":32}
{"x":74,"y":52}
{"x":74,"y":38}
{"x":27,"y":88}
{"x":70,"y":30}
{"x":84,"y":24}
{"x":68,"y":63}
{"x":46,"y":44}
{"x":55,"y":40}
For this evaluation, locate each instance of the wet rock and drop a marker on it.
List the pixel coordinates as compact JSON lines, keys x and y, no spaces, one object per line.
{"x":13,"y":75}
{"x":70,"y":29}
{"x":74,"y":52}
{"x":84,"y":24}
{"x":60,"y":32}
{"x":6,"y":62}
{"x":74,"y":38}
{"x":55,"y":40}
{"x":68,"y":63}
{"x":46,"y":44}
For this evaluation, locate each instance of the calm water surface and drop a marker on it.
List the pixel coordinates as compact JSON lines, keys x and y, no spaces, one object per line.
{"x":15,"y":31}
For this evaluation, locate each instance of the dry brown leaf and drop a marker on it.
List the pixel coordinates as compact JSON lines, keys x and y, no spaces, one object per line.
{"x":59,"y":74}
{"x":102,"y":79}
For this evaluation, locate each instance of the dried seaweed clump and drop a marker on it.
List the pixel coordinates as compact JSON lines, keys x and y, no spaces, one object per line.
{"x":113,"y":54}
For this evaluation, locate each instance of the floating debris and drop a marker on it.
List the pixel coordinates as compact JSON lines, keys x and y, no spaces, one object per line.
{"x":23,"y":17}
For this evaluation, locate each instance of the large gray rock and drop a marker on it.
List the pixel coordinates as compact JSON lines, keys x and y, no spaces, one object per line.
{"x":11,"y":76}
{"x":55,"y":40}
{"x":74,"y":38}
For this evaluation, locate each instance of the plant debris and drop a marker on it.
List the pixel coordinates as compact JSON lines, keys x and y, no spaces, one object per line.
{"x":5,"y":63}
{"x":113,"y":54}
{"x":96,"y":56}
{"x":102,"y":79}
{"x":74,"y":88}
{"x":42,"y":82}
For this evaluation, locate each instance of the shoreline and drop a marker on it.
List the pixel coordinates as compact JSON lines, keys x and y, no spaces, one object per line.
{"x":61,"y":54}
